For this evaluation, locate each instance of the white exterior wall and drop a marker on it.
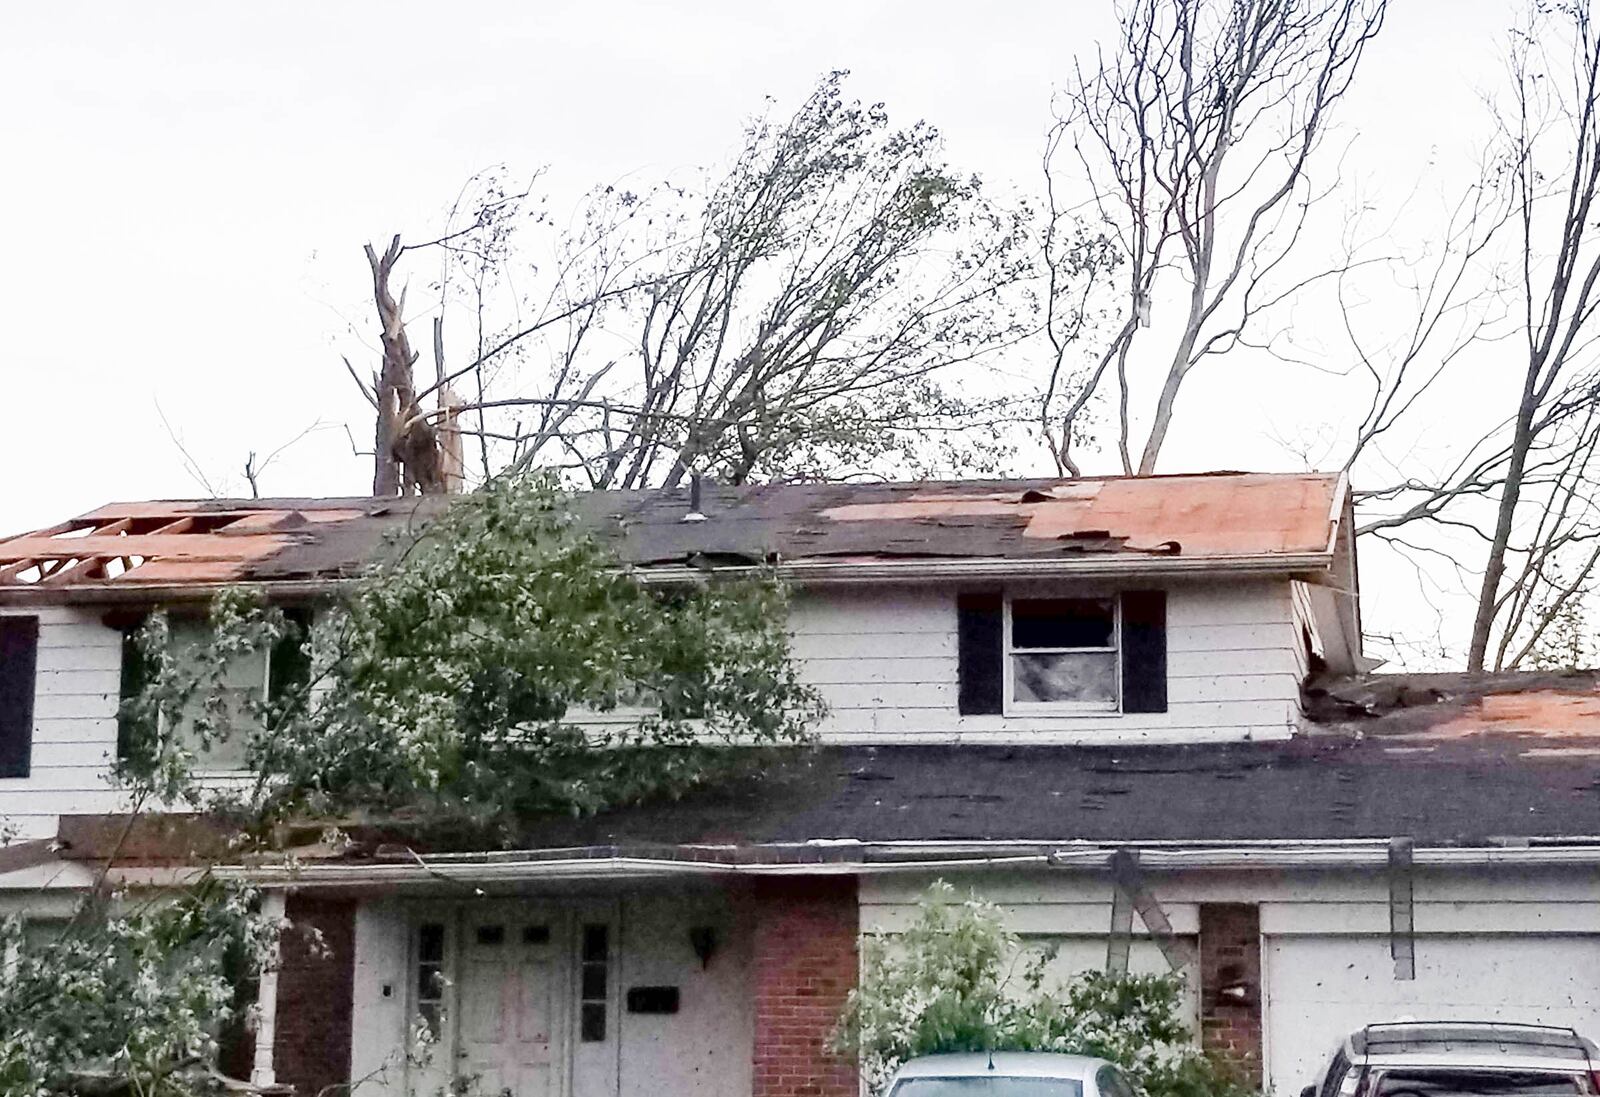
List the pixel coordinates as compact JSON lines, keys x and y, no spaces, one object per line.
{"x":704,"y":1048}
{"x":885,"y":661}
{"x":883,"y":658}
{"x":74,"y":723}
{"x":1503,"y":943}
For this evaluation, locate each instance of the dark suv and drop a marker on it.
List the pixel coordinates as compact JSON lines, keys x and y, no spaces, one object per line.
{"x":1461,"y":1059}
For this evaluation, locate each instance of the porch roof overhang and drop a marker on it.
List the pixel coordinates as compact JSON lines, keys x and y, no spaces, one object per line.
{"x":874,"y":859}
{"x":1467,"y":771}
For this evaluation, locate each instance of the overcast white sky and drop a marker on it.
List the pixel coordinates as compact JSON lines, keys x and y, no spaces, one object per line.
{"x":187,"y":186}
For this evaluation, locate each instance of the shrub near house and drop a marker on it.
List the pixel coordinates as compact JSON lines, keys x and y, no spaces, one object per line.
{"x":957,"y":980}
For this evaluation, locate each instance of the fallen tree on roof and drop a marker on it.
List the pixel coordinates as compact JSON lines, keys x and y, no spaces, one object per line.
{"x":499,"y":666}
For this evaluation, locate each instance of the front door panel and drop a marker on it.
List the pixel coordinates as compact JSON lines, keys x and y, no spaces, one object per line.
{"x":513,"y":980}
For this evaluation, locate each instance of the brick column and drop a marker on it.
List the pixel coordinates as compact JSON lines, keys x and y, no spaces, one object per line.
{"x":1230,"y":985}
{"x":804,"y":965}
{"x":316,"y":990}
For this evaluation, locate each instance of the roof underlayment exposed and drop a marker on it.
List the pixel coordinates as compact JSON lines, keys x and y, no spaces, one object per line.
{"x":1185,"y":518}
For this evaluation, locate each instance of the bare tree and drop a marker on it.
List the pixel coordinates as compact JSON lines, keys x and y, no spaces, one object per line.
{"x":1198,"y":133}
{"x":1552,"y":144}
{"x":826,"y":307}
{"x":1521,"y":494}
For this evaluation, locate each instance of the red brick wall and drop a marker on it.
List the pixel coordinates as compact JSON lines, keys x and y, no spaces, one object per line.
{"x":1230,"y":955}
{"x":315,"y":994}
{"x":804,"y":966}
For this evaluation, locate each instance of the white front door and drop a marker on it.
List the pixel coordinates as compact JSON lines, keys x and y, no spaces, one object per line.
{"x":514,"y":979}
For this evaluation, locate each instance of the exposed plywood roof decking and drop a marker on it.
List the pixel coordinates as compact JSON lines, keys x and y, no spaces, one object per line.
{"x":1188,"y":520}
{"x":159,"y":542}
{"x":1222,"y":515}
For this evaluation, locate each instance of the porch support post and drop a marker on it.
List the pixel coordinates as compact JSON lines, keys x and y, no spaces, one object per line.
{"x":1402,"y":924}
{"x":1126,"y":876}
{"x":261,"y":1071}
{"x":1121,"y":938}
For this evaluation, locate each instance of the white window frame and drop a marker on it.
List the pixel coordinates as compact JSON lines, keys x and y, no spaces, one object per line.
{"x":205,"y":772}
{"x":1011,"y":707}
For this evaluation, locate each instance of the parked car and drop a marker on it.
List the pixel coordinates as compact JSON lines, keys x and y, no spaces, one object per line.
{"x":1009,"y":1074}
{"x":1460,"y":1059}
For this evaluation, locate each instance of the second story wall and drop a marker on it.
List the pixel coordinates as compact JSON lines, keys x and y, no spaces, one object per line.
{"x":73,"y":738}
{"x":887,"y":661}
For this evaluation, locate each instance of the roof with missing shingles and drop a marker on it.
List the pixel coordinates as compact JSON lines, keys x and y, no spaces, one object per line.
{"x":1446,"y":760}
{"x":1192,"y":517}
{"x":1455,"y":762}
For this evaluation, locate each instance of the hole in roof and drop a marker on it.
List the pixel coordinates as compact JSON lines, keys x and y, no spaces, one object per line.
{"x":121,"y":565}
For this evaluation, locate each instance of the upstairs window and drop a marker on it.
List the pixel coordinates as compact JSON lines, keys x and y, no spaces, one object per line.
{"x":1061,"y":654}
{"x":1021,"y":655}
{"x":281,"y":675}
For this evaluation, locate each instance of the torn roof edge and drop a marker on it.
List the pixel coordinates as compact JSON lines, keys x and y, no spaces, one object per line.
{"x":160,"y":545}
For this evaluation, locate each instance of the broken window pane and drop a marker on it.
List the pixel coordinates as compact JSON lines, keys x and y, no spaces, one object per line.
{"x":1081,"y":677}
{"x":1063,"y":623}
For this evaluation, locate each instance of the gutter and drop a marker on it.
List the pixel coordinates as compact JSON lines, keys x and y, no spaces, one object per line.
{"x":851,"y":858}
{"x":586,"y":869}
{"x":798,"y":572}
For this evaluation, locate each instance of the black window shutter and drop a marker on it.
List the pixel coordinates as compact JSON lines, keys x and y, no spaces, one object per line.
{"x":980,"y":672}
{"x":289,"y":662}
{"x":19,"y":649}
{"x":1144,"y":651}
{"x":136,"y":671}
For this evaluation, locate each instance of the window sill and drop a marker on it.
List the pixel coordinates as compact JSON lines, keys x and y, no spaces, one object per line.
{"x":1049,"y":711}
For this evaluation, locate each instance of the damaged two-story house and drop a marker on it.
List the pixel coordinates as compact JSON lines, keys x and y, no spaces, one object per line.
{"x":1131,"y":711}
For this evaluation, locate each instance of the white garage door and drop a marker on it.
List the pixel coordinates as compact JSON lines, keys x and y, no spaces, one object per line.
{"x":1079,"y":954}
{"x":1319,"y":989}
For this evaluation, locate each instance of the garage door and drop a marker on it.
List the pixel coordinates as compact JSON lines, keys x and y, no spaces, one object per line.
{"x":1074,"y":955}
{"x":1319,"y":989}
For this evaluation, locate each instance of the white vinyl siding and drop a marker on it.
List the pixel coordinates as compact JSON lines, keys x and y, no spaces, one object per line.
{"x":74,"y":723}
{"x":76,"y":697}
{"x":885,"y":661}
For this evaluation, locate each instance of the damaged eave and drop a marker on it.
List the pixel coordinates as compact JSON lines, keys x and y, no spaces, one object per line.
{"x":117,"y":593}
{"x":1309,"y":566}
